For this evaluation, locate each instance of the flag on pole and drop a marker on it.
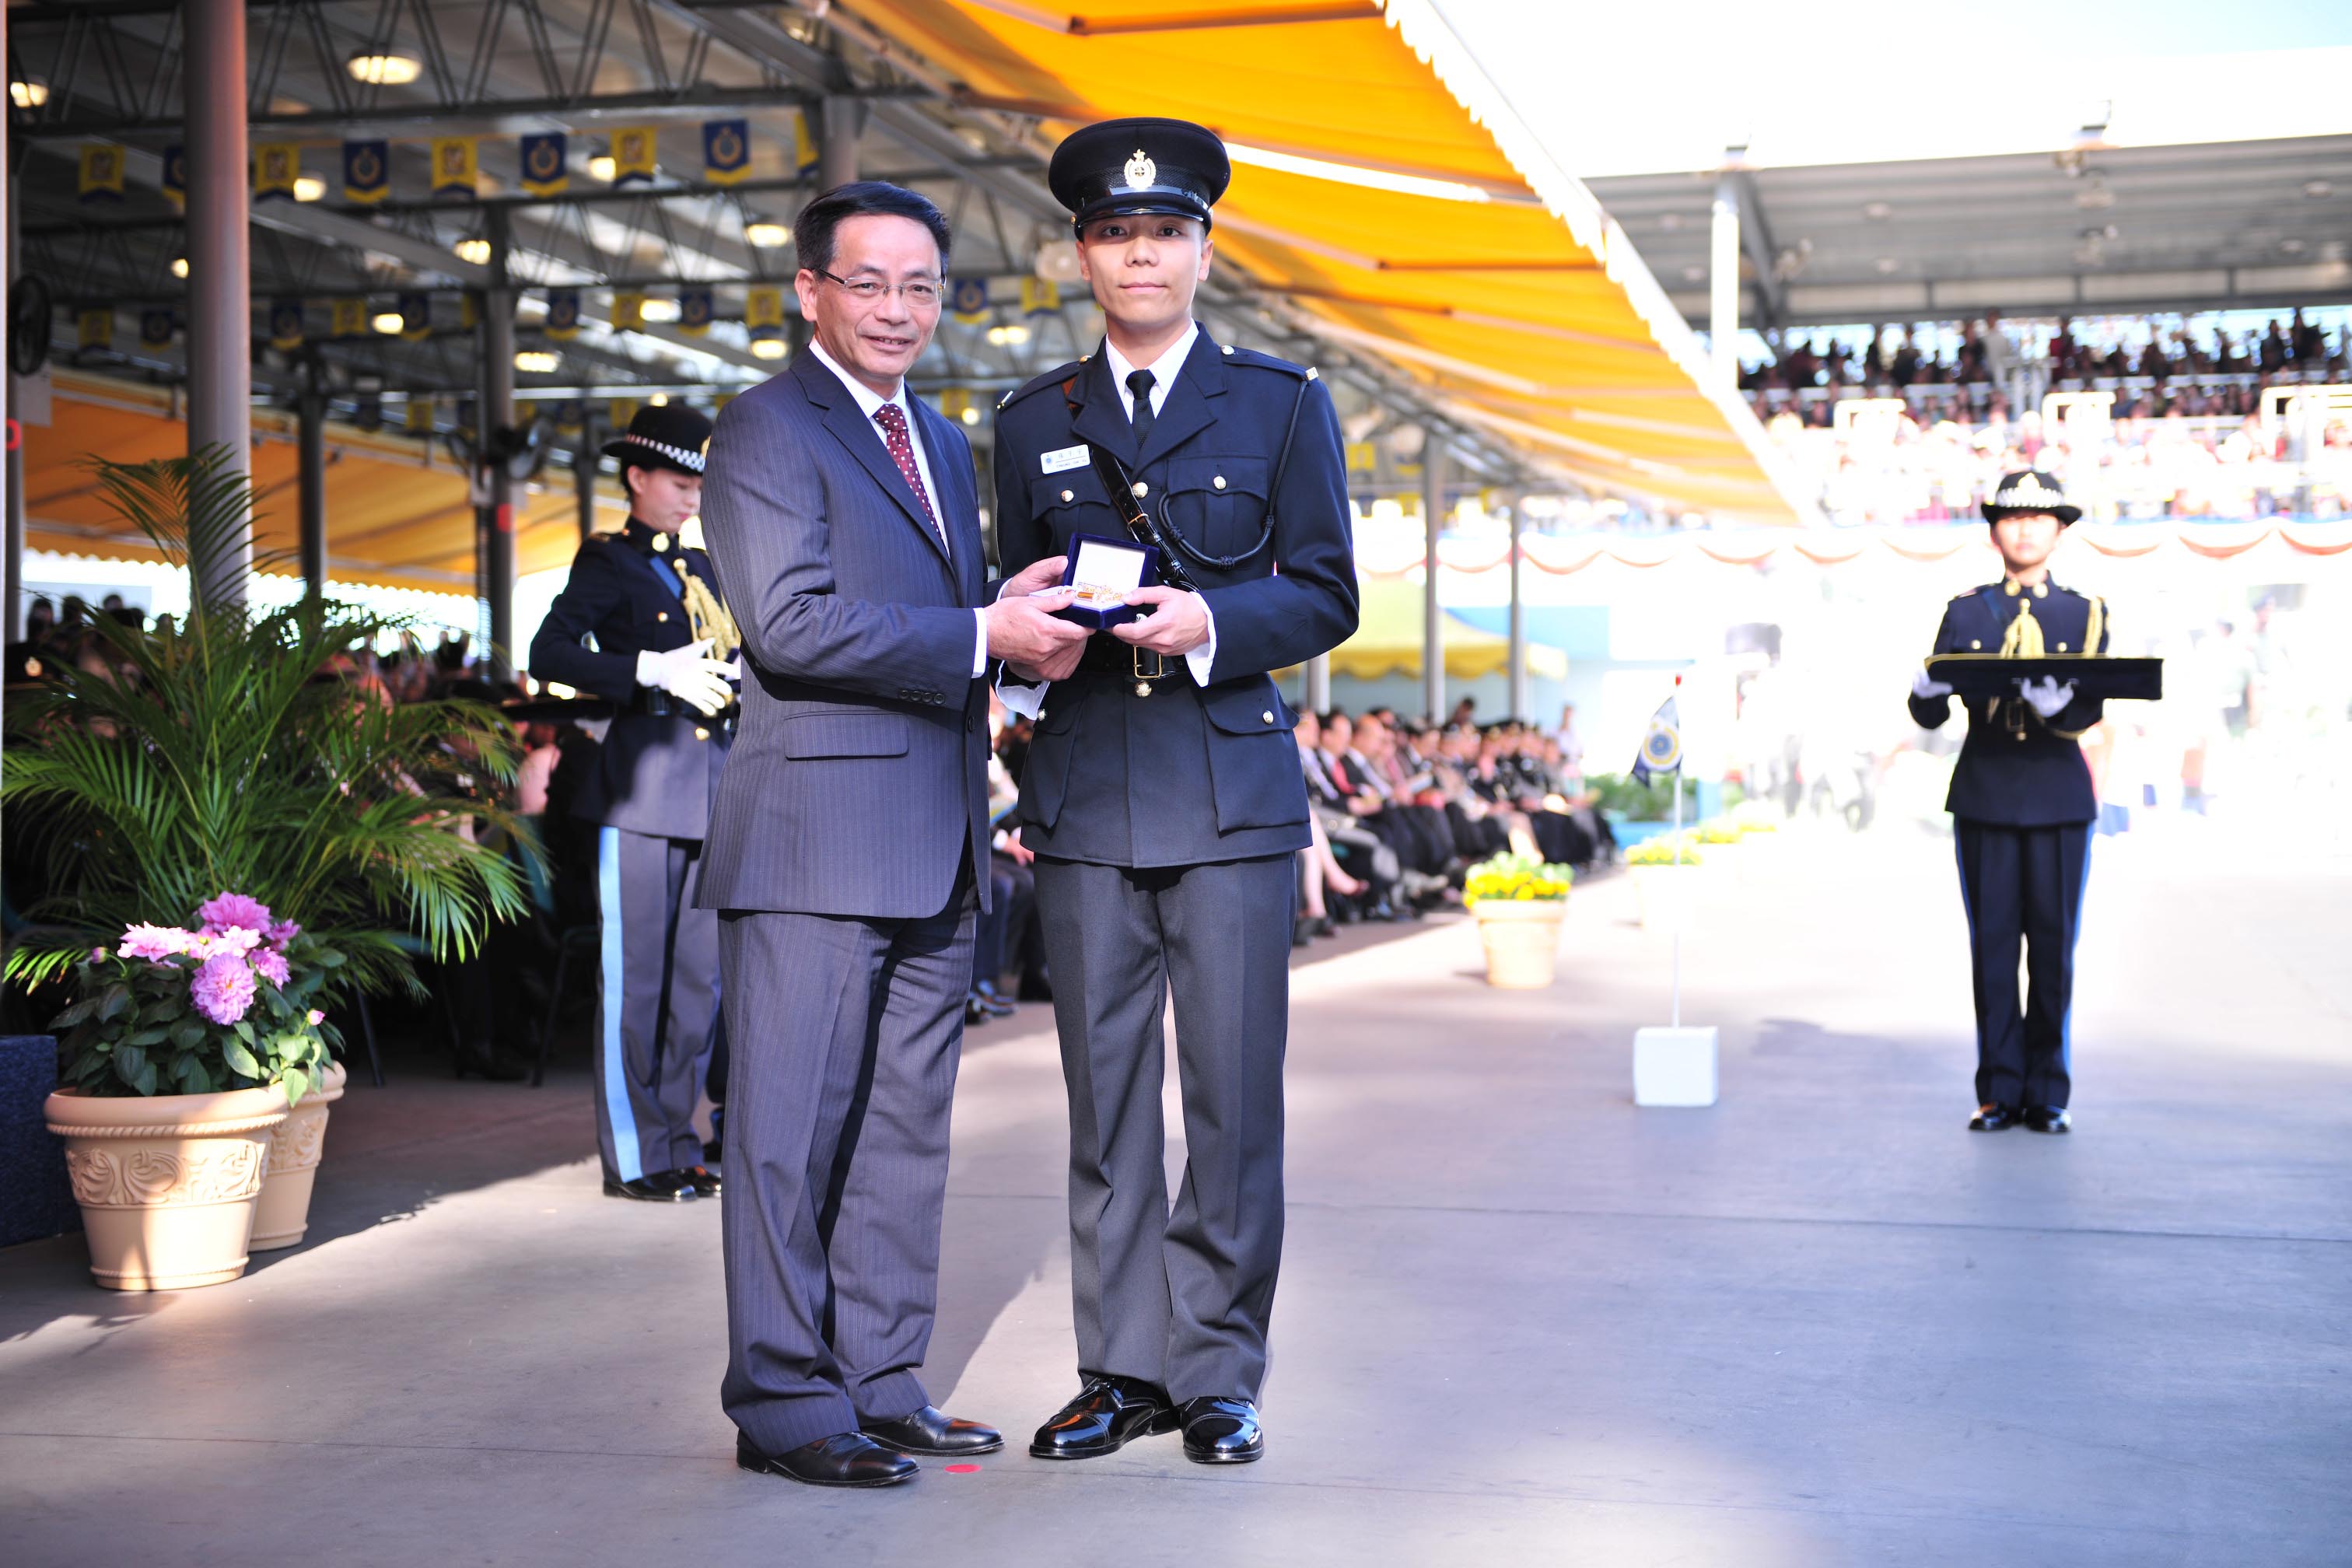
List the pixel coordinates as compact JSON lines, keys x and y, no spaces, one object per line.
{"x":1661,"y":747}
{"x":367,"y":171}
{"x":543,"y":163}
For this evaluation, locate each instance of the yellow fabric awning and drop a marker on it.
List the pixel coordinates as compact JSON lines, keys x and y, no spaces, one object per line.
{"x":1493,"y":278}
{"x":1388,"y":640}
{"x":397,"y":514}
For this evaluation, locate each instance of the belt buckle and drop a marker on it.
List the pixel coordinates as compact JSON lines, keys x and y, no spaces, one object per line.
{"x":1144,"y":677}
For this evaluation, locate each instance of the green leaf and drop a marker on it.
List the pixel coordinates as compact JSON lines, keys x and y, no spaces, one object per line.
{"x":188,"y":1034}
{"x":242,"y":1061}
{"x":147,"y":1037}
{"x":191,"y":1074}
{"x":75,"y":1014}
{"x":296,"y":1083}
{"x":112,"y":1001}
{"x":129,"y":1062}
{"x":244,"y":1031}
{"x":328,"y":958}
{"x":145,"y":1083}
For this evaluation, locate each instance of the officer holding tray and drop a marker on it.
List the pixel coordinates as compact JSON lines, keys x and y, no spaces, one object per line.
{"x":2022,"y":803}
{"x":1162,"y":794}
{"x":663,"y":650}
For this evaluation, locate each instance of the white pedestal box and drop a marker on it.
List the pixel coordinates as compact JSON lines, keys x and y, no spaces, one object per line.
{"x":1674,"y":1067}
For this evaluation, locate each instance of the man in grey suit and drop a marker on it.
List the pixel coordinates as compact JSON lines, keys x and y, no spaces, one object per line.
{"x":848,"y":847}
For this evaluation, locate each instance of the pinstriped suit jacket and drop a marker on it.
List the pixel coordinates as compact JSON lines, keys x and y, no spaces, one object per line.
{"x":858,"y":779}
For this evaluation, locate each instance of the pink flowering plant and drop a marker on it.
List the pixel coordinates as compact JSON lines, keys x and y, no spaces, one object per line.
{"x":227,"y":1000}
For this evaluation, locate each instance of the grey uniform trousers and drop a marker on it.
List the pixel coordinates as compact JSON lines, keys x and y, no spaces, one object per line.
{"x":842,"y":1037}
{"x":1180,"y":1298}
{"x":657,"y":999}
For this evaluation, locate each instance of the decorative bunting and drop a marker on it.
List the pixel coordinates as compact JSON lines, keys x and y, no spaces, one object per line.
{"x":629,"y":310}
{"x":101,"y":171}
{"x":726,"y":152}
{"x":469,"y":310}
{"x":351,"y":318}
{"x":94,"y":327}
{"x":804,"y":153}
{"x":563,"y":314}
{"x":420,"y":414}
{"x":620,"y":411}
{"x":175,"y":174}
{"x":276,"y":166}
{"x":633,"y":154}
{"x":968,"y":298}
{"x":286,"y":324}
{"x":569,"y":412}
{"x":367,"y":172}
{"x":1040,"y":295}
{"x":156,"y":325}
{"x":544,"y":164}
{"x":415,"y":316}
{"x":763,"y":310}
{"x":456,"y":166}
{"x":694,"y":312}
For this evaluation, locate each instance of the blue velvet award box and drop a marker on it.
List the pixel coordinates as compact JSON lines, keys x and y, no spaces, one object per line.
{"x":1103,"y":572}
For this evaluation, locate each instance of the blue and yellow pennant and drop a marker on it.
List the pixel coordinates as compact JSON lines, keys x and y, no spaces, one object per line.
{"x":367,"y":172}
{"x":545,"y":168}
{"x":726,"y":150}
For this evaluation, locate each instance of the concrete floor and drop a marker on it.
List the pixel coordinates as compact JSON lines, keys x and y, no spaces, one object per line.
{"x":1520,"y":1321}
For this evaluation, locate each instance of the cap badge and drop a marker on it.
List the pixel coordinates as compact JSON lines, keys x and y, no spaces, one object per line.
{"x":1141,"y":172}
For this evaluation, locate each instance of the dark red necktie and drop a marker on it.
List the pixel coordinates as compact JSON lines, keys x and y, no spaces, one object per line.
{"x":893,"y":420}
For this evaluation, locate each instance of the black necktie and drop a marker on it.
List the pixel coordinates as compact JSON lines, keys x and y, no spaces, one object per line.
{"x":1139,"y":382}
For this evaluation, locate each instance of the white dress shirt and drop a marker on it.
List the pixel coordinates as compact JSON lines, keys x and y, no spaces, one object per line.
{"x":871,"y":404}
{"x":1026,"y":700}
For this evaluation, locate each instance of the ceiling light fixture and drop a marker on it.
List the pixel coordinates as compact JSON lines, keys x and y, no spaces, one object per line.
{"x":660,"y":310}
{"x":179,"y":266}
{"x":2316,"y":190}
{"x":475,"y":249}
{"x":601,"y":166}
{"x":767,"y":348}
{"x":1877,"y":212}
{"x":767,"y":234}
{"x":29,"y":94}
{"x":309,"y":187}
{"x":1350,"y":174}
{"x":1010,"y":334}
{"x":660,"y":400}
{"x":539,"y":361}
{"x":384,"y":70}
{"x":388,"y":322}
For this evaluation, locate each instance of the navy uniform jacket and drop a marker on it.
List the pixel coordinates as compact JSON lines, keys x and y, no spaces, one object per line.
{"x":655,"y":774}
{"x":1188,"y":776}
{"x":2037,"y":778}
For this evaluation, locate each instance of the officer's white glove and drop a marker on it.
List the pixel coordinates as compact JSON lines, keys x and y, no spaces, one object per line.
{"x":1926,"y":685}
{"x":688,"y":674}
{"x":2047,"y":696}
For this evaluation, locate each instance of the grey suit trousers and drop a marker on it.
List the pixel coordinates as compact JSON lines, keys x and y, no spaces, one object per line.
{"x":1180,"y":1298}
{"x":844,"y":1035}
{"x":657,"y":1001}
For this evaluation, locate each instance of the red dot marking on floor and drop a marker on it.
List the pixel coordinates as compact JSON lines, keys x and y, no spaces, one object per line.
{"x":963,"y":1469}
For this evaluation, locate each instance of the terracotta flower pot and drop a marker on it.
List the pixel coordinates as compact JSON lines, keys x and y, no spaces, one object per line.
{"x":283,"y":1213}
{"x":166,"y":1182}
{"x":1522,"y":940}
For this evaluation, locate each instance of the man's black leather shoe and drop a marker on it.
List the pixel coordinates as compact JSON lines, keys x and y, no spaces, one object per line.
{"x":1222,"y":1431}
{"x":2048,"y":1118}
{"x":1992,"y":1118}
{"x":661,"y":1187}
{"x":844,"y":1459}
{"x":703,"y":1180}
{"x":1106,"y":1414}
{"x":934,"y":1435}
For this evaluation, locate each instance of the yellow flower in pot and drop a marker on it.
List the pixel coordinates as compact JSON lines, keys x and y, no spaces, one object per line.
{"x":1518,"y":901}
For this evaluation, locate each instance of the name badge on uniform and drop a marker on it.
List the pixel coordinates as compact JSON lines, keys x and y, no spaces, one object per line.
{"x":1068,"y":458}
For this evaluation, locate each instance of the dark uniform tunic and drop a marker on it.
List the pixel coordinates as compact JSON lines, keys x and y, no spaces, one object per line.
{"x":2023,"y":803}
{"x":1164,"y":825}
{"x":658,"y":986}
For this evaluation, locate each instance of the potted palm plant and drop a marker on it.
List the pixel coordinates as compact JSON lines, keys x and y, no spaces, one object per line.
{"x":1518,"y":901}
{"x":235,"y":753}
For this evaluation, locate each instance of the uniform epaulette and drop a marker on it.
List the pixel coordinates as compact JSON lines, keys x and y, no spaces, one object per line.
{"x":1266,"y":361}
{"x":1053,"y":377}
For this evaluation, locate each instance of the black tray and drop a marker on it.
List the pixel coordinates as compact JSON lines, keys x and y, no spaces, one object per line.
{"x":1981,"y":674}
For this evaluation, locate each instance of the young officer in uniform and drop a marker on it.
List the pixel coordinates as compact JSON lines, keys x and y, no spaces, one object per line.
{"x":2022,"y":805}
{"x":1162,"y":794}
{"x":663,"y":650}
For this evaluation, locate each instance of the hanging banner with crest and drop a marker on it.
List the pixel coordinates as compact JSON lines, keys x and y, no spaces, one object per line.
{"x":367,"y":172}
{"x":544,"y":169}
{"x":726,"y":150}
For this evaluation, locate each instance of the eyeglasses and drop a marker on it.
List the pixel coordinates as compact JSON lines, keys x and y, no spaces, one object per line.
{"x":924,"y":294}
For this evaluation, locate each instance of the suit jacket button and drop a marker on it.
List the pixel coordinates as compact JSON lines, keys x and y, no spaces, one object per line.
{"x":1219,"y":481}
{"x":700,"y":733}
{"x":661,"y":615}
{"x":1975,"y":646}
{"x":1069,"y":495}
{"x":1267,"y":715}
{"x":1141,"y":489}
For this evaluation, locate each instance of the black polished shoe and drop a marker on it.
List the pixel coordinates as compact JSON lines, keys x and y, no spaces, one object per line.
{"x":1993,"y":1119}
{"x":1219,"y":1431}
{"x":844,"y":1459}
{"x":2048,"y":1118}
{"x":660,"y":1187}
{"x":703,"y":1180}
{"x":1106,"y":1413}
{"x":934,"y":1435}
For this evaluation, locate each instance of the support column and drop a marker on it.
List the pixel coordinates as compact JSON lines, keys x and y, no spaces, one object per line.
{"x":1432,"y":635}
{"x":220,"y":316}
{"x":1319,"y":684}
{"x":311,"y":475}
{"x":12,"y":473}
{"x":1520,"y":701}
{"x":836,"y":152}
{"x":1723,"y":282}
{"x":494,"y":416}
